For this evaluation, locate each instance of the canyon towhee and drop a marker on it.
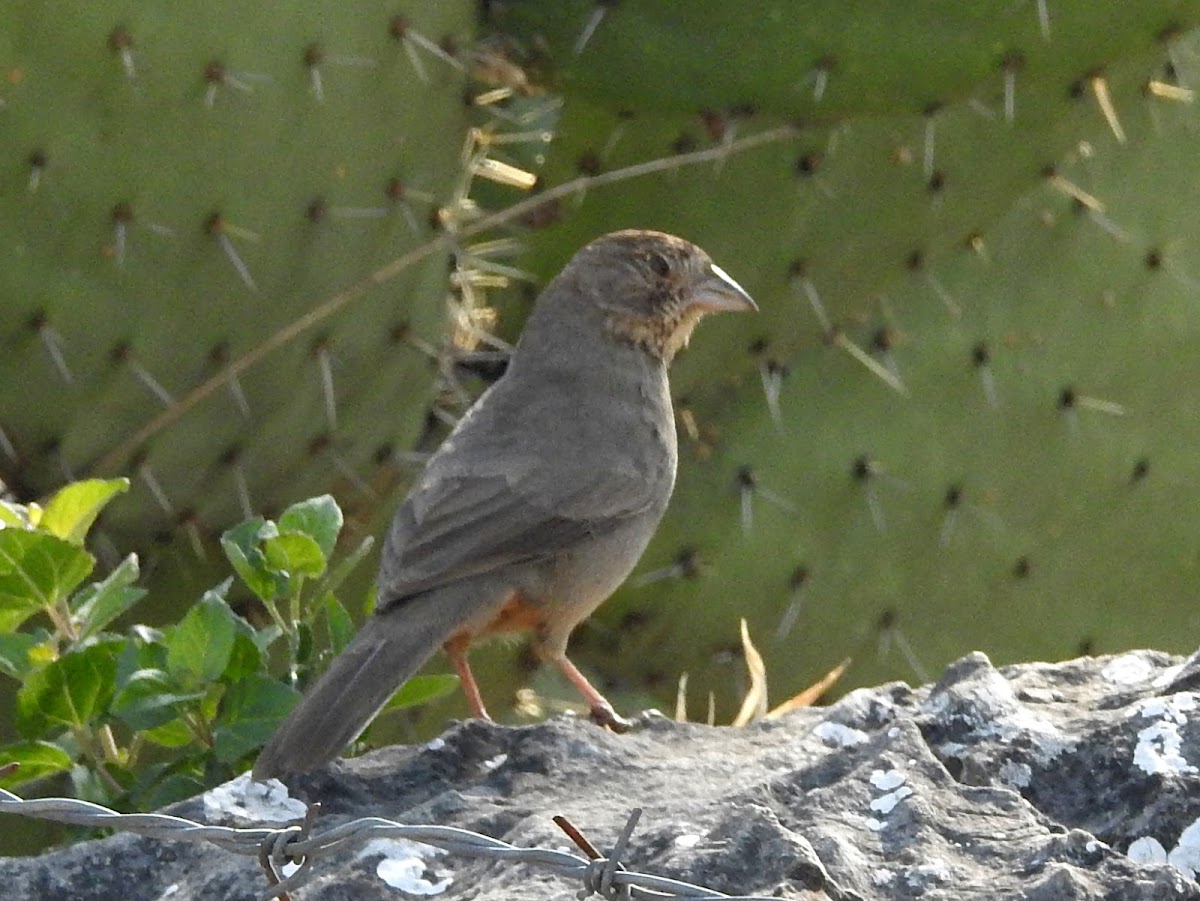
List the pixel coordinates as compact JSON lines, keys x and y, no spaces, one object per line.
{"x":542,"y":499}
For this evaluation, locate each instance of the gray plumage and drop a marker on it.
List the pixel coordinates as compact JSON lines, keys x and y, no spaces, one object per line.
{"x":542,"y":499}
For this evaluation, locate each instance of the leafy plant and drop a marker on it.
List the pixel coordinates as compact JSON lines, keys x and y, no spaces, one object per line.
{"x":141,"y":716}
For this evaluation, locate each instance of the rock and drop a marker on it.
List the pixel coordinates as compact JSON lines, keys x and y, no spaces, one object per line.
{"x":1043,"y":782}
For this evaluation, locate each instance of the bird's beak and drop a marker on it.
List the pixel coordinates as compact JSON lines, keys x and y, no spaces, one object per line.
{"x":717,"y":292}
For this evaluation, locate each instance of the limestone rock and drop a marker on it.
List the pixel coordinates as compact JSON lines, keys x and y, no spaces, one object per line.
{"x":1044,"y":782}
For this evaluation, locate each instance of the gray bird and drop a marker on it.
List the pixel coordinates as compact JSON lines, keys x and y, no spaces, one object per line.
{"x":542,"y":499}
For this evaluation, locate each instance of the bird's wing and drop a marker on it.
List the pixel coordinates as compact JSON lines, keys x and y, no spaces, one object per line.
{"x":466,"y":524}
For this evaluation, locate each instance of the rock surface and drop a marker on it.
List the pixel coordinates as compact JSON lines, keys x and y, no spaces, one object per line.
{"x":1076,"y":780}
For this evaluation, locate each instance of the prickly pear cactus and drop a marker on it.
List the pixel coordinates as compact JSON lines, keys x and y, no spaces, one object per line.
{"x":963,"y":418}
{"x":186,"y":187}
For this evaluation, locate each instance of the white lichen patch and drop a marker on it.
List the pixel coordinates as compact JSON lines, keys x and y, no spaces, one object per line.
{"x":1128,"y":669}
{"x":406,"y":866}
{"x":839,"y":736}
{"x":886,"y":780}
{"x":494,"y":763}
{"x":1159,"y":747}
{"x":1185,"y":856}
{"x":245,"y":800}
{"x":1146,"y":850}
{"x":886,"y":803}
{"x":891,"y":782}
{"x":1158,"y":751}
{"x":1174,"y":707}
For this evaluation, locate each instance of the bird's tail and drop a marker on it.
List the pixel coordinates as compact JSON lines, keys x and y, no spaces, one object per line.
{"x":387,"y":651}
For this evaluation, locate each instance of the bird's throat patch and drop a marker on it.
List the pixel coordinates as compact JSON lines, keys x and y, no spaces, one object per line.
{"x":662,"y":336}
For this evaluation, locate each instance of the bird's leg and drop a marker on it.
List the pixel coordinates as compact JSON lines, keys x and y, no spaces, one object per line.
{"x":601,"y":711}
{"x":456,"y":650}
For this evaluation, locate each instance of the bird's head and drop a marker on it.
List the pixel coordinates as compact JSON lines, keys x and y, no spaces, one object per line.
{"x":653,"y":288}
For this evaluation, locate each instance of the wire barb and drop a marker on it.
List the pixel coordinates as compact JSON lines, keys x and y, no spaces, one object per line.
{"x":274,"y":854}
{"x":573,"y":834}
{"x":598,"y":877}
{"x":278,"y":847}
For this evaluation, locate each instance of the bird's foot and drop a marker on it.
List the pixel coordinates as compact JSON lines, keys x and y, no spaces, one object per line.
{"x":604,"y":715}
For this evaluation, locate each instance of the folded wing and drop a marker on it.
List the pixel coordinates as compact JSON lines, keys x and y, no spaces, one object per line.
{"x":457,"y":526}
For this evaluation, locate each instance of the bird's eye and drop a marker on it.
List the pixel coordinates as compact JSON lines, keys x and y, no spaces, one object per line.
{"x":659,"y":265}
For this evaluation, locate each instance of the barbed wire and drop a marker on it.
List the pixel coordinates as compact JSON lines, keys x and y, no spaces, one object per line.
{"x":277,"y":847}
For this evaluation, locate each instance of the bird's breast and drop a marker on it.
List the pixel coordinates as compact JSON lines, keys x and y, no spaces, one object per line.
{"x":630,"y":419}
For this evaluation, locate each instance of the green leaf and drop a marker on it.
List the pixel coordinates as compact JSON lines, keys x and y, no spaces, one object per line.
{"x":174,"y":734}
{"x":101,"y":602}
{"x":242,"y":546}
{"x":144,"y":650}
{"x":246,"y":657}
{"x":199,"y":647}
{"x":149,"y":699}
{"x":249,"y":714}
{"x":320,"y":518}
{"x":338,"y":624}
{"x":110,"y":789}
{"x":36,"y":572}
{"x":14,"y":653}
{"x":149,"y":636}
{"x":267,"y":636}
{"x":14,"y":515}
{"x":422,"y":690}
{"x":295,"y":554}
{"x":38,"y":759}
{"x":74,"y":508}
{"x":170,"y":788}
{"x":72,"y":691}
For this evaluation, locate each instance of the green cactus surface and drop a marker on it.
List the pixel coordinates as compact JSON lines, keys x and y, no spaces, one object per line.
{"x":963,"y":418}
{"x":180,"y":186}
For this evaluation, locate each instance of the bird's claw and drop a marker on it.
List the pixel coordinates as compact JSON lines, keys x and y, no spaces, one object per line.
{"x":604,"y":715}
